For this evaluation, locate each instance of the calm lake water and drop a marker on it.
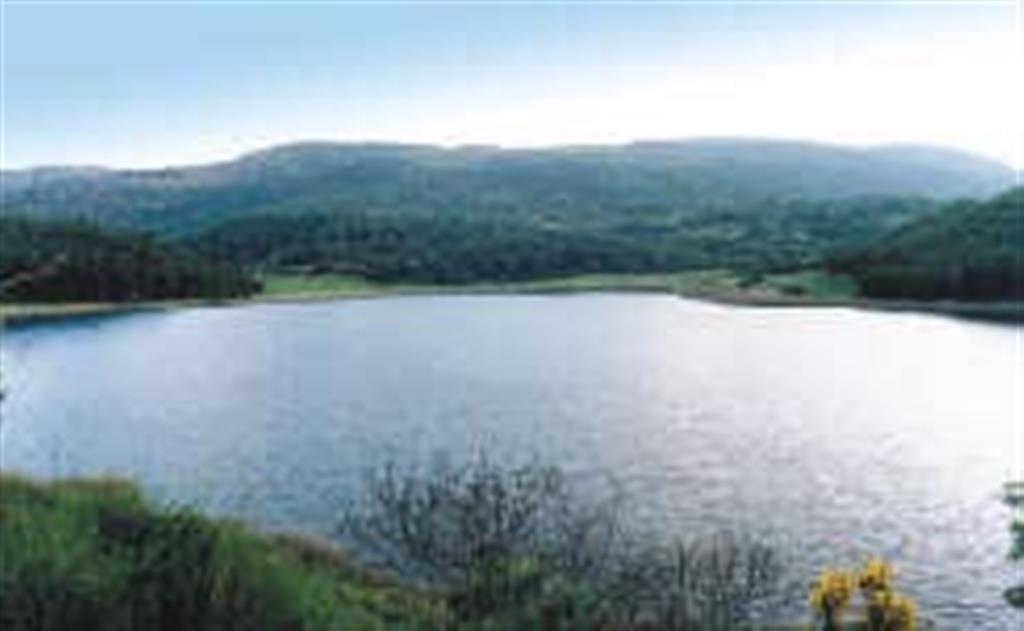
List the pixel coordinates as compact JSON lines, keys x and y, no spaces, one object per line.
{"x":835,"y":433}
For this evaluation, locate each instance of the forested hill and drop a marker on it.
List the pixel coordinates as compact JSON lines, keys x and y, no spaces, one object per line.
{"x":968,"y":251}
{"x":73,"y":261}
{"x":640,"y":185}
{"x":458,"y":249}
{"x":426,"y":214}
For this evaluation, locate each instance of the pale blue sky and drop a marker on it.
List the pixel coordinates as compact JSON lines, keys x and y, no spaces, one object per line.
{"x":147,"y":84}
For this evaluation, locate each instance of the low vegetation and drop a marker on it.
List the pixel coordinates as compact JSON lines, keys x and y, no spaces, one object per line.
{"x":515,"y":548}
{"x":472,"y":547}
{"x":712,"y":283}
{"x":93,"y":554}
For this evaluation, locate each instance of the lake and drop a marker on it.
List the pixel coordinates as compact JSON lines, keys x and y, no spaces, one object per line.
{"x":835,"y":433}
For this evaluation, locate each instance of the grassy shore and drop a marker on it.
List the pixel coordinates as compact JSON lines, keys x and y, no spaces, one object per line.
{"x":799,"y":289}
{"x":89,"y":554}
{"x":93,"y":553}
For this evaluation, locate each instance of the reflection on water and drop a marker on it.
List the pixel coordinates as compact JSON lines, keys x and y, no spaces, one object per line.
{"x":839,"y":433}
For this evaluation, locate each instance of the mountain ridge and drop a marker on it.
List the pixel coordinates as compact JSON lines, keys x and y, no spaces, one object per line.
{"x":696,"y":141}
{"x":646,"y":182}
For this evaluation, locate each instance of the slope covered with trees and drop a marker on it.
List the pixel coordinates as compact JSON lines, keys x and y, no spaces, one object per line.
{"x":653,"y":182}
{"x":426,"y":214}
{"x":967,"y":251}
{"x":433,"y":248}
{"x":75,"y":261}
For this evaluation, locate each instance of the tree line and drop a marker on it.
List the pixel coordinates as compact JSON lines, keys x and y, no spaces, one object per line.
{"x":893,"y":247}
{"x":456,"y":247}
{"x":77,"y":261}
{"x":969,"y":250}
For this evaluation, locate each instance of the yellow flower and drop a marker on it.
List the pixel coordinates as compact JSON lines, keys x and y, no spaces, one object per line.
{"x":899,"y":611}
{"x":833,"y":591}
{"x":903,"y":612}
{"x":876,"y":575}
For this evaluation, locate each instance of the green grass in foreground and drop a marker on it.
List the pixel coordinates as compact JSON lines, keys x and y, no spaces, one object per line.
{"x":87,"y":555}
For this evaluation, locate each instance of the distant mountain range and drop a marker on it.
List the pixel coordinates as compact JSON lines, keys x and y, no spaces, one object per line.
{"x":589,"y":185}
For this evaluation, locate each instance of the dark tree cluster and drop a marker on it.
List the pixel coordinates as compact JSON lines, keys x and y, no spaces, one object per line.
{"x":967,"y":251}
{"x":414,"y":249}
{"x":76,"y":261}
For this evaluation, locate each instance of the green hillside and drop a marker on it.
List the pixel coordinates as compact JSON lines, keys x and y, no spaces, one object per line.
{"x":80,"y":555}
{"x":456,"y":249}
{"x":422,"y":214}
{"x":968,"y":251}
{"x":637,"y":185}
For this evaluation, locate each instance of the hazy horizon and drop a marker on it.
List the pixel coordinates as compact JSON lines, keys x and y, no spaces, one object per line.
{"x":150,"y":85}
{"x":232,"y":156}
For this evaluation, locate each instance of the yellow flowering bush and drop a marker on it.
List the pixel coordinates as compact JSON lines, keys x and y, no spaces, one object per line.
{"x":832,"y":594}
{"x":884,"y":608}
{"x":890,"y":610}
{"x":876,"y":575}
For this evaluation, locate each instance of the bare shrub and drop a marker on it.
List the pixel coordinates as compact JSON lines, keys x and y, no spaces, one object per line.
{"x":494,"y":537}
{"x":515,"y":547}
{"x":717,"y":581}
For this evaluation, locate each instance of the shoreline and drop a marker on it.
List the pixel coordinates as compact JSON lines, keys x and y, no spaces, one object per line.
{"x":1007,"y":312}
